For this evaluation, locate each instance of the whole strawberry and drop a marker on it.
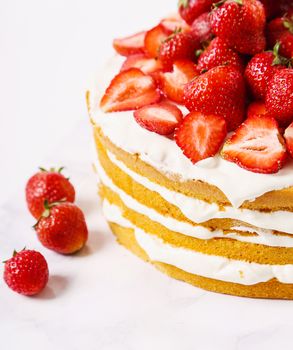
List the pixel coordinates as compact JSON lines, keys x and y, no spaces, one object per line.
{"x":279,"y":96}
{"x":47,"y":185}
{"x":221,"y":92}
{"x":176,"y":47}
{"x":217,"y":54}
{"x":241,"y":23}
{"x":259,"y":72}
{"x":201,"y":28}
{"x":62,"y":228}
{"x":191,"y":9}
{"x":26,"y":272}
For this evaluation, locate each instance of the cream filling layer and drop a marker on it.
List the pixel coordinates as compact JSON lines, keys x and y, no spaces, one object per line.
{"x":163,"y":154}
{"x":210,"y":266}
{"x":264,"y":237}
{"x":200,"y":211}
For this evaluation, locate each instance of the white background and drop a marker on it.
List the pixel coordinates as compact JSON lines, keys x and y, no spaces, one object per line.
{"x":103,"y":298}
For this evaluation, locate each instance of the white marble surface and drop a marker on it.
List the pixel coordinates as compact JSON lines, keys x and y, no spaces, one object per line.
{"x":104,"y":298}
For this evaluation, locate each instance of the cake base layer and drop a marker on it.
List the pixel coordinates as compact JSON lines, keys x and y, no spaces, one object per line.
{"x":272,"y":289}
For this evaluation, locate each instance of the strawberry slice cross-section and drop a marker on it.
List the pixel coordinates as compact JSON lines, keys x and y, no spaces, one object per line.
{"x":130,"y":90}
{"x":162,"y":118}
{"x":200,"y":136}
{"x":146,"y":64}
{"x":289,"y":139}
{"x":257,"y":146}
{"x":130,"y":45}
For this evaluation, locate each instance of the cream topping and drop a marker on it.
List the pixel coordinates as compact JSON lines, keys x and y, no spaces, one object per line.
{"x":264,"y":237}
{"x":210,"y":266}
{"x":163,"y":154}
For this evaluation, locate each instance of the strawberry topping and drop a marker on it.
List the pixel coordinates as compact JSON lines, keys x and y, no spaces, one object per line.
{"x":201,"y":135}
{"x":130,"y":45}
{"x":161,"y":118}
{"x":146,"y":64}
{"x":129,"y":90}
{"x":257,"y":146}
{"x":154,"y":39}
{"x":289,"y":139}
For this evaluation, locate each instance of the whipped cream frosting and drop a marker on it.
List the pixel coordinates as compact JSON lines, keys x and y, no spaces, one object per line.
{"x":265,"y":237}
{"x":210,"y":266}
{"x":163,"y":154}
{"x":200,"y":211}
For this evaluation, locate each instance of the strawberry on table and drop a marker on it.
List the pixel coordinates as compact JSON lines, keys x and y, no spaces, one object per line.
{"x":217,"y":54}
{"x":257,"y":146}
{"x":201,"y":28}
{"x":279,"y":96}
{"x":241,"y":23}
{"x":220,"y":91}
{"x":146,"y":64}
{"x":191,"y":9}
{"x":62,"y":228}
{"x":259,"y":71}
{"x":48,"y":185}
{"x":130,"y":90}
{"x":161,"y":118}
{"x":130,"y":45}
{"x":176,"y":47}
{"x":26,"y":272}
{"x":172,"y":83}
{"x":154,"y":39}
{"x":201,"y":135}
{"x":289,"y":139}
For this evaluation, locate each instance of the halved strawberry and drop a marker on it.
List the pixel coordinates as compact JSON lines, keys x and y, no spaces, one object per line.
{"x":201,"y":135}
{"x":130,"y":45}
{"x":257,"y":146}
{"x":257,"y":108}
{"x":172,"y":84}
{"x":146,"y":64}
{"x":154,"y":39}
{"x":129,"y":90}
{"x":289,"y":139}
{"x":175,"y":22}
{"x":161,"y":118}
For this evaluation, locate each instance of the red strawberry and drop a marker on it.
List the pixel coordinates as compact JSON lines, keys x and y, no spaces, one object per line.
{"x":144,"y":63}
{"x":172,"y":84}
{"x":175,"y":22}
{"x":241,"y":23}
{"x":217,"y":54}
{"x":281,"y":30}
{"x":279,"y":96}
{"x":257,"y":109}
{"x":47,"y":185}
{"x":201,"y":28}
{"x":130,"y":45}
{"x":129,"y":90}
{"x":220,"y":91}
{"x":289,"y":139}
{"x":154,"y":38}
{"x":257,"y":146}
{"x":259,"y":72}
{"x":176,"y":47}
{"x":161,"y":118}
{"x":26,"y":272}
{"x":62,"y":228}
{"x":200,"y":135}
{"x":191,"y":9}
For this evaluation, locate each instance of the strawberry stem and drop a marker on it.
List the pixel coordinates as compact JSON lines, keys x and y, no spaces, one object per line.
{"x":278,"y":59}
{"x":183,"y":3}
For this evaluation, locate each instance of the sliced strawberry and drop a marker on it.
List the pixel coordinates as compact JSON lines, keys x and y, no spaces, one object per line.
{"x":130,"y":45}
{"x":129,"y":90}
{"x":154,"y":38}
{"x":146,"y":64}
{"x":289,"y":139}
{"x":175,"y":22}
{"x":257,"y":108}
{"x":161,"y":118}
{"x":172,"y":84}
{"x":201,"y":135}
{"x":257,"y":146}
